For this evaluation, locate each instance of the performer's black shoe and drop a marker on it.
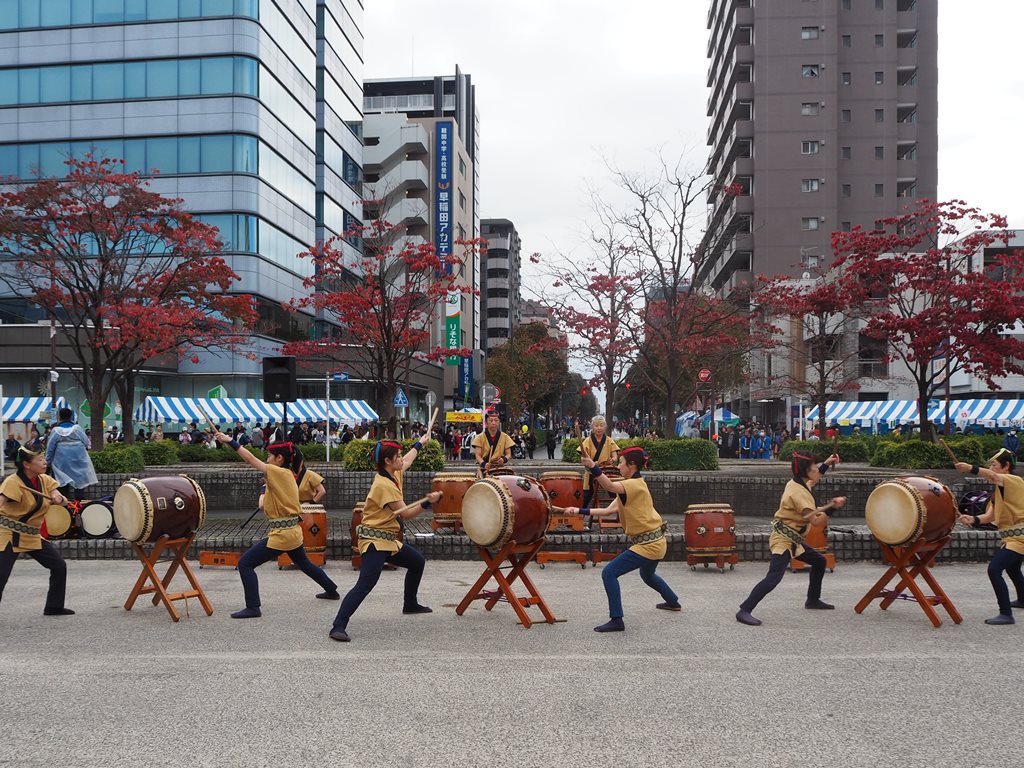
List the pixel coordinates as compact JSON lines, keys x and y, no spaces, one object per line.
{"x":247,"y":613}
{"x":1017,"y":604}
{"x":58,"y":612}
{"x":669,"y":606}
{"x":329,"y":595}
{"x":612,"y":625}
{"x":417,"y":609}
{"x":1000,"y":618}
{"x":746,"y":617}
{"x":818,"y":605}
{"x":340,"y":635}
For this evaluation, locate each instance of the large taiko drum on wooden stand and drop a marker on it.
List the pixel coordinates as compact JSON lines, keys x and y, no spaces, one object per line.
{"x":452,"y":486}
{"x":145,"y":510}
{"x":902,"y":510}
{"x":564,"y":489}
{"x":497,"y":510}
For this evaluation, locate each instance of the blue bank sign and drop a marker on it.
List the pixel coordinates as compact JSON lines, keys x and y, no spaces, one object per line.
{"x":443,"y":139}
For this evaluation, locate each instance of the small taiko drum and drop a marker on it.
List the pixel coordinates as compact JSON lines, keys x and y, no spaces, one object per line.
{"x":58,"y":523}
{"x":145,"y":510}
{"x":314,"y":526}
{"x":497,"y":510}
{"x":452,"y":486}
{"x":709,"y":529}
{"x":905,"y":509}
{"x":564,"y":489}
{"x":97,"y":519}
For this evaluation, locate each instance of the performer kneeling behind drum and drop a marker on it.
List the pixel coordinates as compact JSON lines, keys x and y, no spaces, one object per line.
{"x":645,"y":532}
{"x":281,"y":505}
{"x":24,"y":498}
{"x":1007,"y":511}
{"x":382,"y":512}
{"x":796,"y":511}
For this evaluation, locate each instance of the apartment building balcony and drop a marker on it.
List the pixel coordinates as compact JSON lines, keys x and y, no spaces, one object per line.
{"x":408,"y":212}
{"x":503,"y":242}
{"x":498,"y":302}
{"x":407,"y":175}
{"x":411,"y":139}
{"x":906,"y":57}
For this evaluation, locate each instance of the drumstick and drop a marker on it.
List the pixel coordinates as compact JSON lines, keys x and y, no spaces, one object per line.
{"x":952,"y":456}
{"x":206,"y":416}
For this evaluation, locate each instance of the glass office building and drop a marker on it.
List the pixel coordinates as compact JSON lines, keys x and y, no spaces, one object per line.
{"x":249,"y":109}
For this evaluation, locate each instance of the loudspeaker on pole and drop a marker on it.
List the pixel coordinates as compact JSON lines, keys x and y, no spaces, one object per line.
{"x":279,"y":380}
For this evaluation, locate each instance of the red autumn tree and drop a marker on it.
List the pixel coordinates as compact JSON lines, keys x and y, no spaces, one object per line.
{"x":379,"y":310}
{"x":811,"y":323}
{"x":529,"y":369}
{"x":126,"y":274}
{"x":595,"y":297}
{"x":941,"y":283}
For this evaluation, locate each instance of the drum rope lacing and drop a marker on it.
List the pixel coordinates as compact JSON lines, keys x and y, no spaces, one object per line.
{"x":922,"y":515}
{"x":508,"y":514}
{"x":147,"y":509}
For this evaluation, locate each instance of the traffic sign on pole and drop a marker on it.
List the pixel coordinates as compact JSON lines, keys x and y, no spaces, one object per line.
{"x":704,"y":375}
{"x":339,"y":376}
{"x":400,"y":401}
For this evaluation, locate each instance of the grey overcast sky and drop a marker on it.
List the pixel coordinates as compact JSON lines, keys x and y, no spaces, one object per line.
{"x":561,"y":83}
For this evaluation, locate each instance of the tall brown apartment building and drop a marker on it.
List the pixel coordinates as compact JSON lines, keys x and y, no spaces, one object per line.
{"x":824,"y":113}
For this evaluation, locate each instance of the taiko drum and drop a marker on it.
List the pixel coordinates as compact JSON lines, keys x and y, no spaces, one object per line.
{"x":146,"y":509}
{"x":452,"y":486}
{"x":314,"y":527}
{"x":709,"y":529}
{"x":564,"y":489}
{"x":497,"y":510}
{"x":905,"y":509}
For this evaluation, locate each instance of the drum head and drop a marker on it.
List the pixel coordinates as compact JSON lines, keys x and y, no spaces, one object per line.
{"x":58,"y":520}
{"x":894,"y":513}
{"x":97,"y":519}
{"x":131,"y":508}
{"x":486,"y":508}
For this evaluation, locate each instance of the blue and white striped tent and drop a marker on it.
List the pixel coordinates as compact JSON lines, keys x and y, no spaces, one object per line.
{"x":184,"y":410}
{"x":1000,"y":412}
{"x":28,"y":408}
{"x":847,"y":410}
{"x":897,"y":412}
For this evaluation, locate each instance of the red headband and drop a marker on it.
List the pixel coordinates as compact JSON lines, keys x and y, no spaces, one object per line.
{"x":391,"y":442}
{"x":799,"y":457}
{"x":273,"y":446}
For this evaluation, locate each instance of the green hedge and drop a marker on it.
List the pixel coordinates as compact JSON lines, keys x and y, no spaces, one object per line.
{"x":919,"y":454}
{"x":359,"y":456}
{"x":849,"y":449}
{"x":160,"y":453}
{"x":118,"y":459}
{"x":685,"y":453}
{"x":200,"y":454}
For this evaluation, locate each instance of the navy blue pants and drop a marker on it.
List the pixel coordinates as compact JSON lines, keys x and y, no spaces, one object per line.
{"x":369,"y":574}
{"x":777,"y":569}
{"x":1006,"y":560}
{"x":49,"y":558}
{"x":259,"y":553}
{"x":623,"y":564}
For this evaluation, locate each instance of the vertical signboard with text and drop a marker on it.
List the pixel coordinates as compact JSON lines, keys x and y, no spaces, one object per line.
{"x":443,"y":137}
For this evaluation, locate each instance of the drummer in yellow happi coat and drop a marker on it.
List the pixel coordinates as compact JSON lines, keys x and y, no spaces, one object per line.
{"x":600,"y":447}
{"x":645,"y":533}
{"x":1007,"y":511}
{"x":24,"y":499}
{"x":797,"y":510}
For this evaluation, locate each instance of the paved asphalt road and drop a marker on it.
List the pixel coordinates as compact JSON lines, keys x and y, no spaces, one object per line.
{"x":113,"y":688}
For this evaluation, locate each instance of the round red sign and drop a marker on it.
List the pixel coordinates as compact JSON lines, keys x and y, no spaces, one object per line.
{"x":704,"y":375}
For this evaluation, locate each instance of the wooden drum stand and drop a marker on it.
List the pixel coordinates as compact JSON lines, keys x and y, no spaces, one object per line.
{"x":178,"y":548}
{"x":519,"y":555}
{"x":918,"y":557}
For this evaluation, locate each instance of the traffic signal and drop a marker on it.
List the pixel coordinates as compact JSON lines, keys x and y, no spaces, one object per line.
{"x":628,"y":385}
{"x":583,"y":391}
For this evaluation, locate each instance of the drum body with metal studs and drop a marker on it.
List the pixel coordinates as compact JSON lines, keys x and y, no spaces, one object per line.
{"x":564,"y":489}
{"x":314,"y":527}
{"x":146,"y":509}
{"x":452,"y":486}
{"x":902,"y":510}
{"x":709,"y":528}
{"x":497,"y":510}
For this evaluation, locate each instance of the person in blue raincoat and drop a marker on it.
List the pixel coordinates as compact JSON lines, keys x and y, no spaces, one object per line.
{"x":67,"y":455}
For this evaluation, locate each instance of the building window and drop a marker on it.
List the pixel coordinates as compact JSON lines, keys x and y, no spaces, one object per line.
{"x":809,"y":185}
{"x":846,"y":5}
{"x":879,"y":78}
{"x":846,"y":78}
{"x":809,"y":70}
{"x":809,"y":223}
{"x":809,"y":147}
{"x":462,"y":166}
{"x":847,"y":41}
{"x":462,"y":200}
{"x":879,"y":41}
{"x":879,"y":5}
{"x":846,"y":190}
{"x":808,"y":33}
{"x":845,"y":116}
{"x":907,"y":152}
{"x":879,"y":190}
{"x":809,"y":108}
{"x":846,"y":226}
{"x":879,"y":115}
{"x":879,"y":153}
{"x":845,"y":153}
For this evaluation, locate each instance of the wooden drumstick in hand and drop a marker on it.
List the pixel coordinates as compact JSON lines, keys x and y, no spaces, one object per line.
{"x":206,"y":416}
{"x":952,"y":456}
